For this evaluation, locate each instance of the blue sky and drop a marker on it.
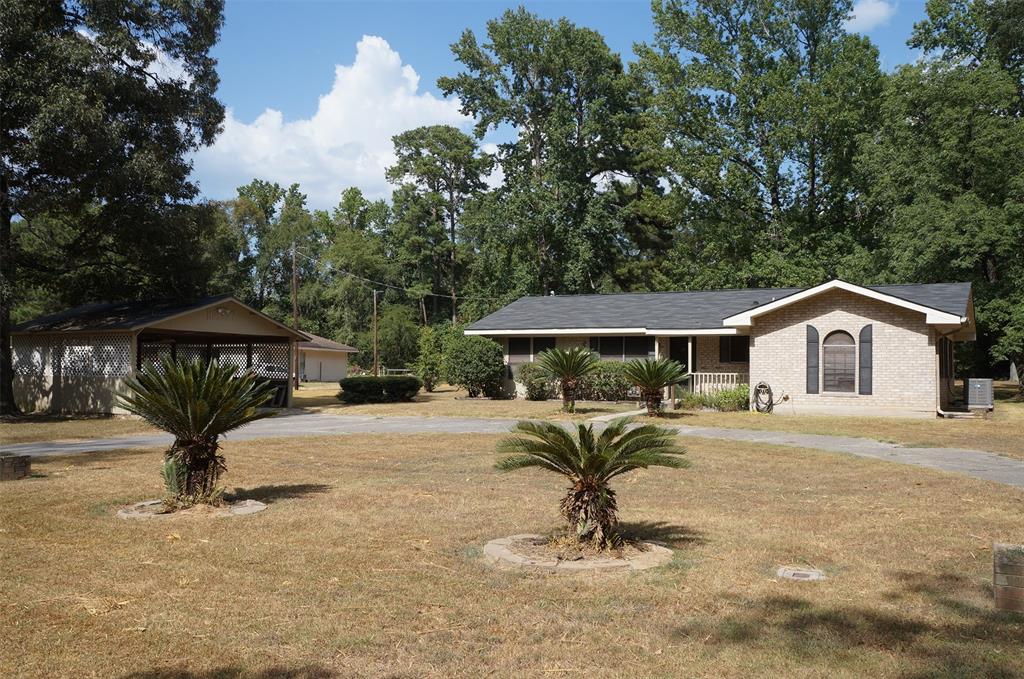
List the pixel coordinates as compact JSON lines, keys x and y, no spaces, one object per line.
{"x":315,"y":89}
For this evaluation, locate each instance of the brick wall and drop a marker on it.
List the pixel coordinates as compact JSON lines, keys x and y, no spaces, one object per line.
{"x":707,"y":354}
{"x":904,"y":359}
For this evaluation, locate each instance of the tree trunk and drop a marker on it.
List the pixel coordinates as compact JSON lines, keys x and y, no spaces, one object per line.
{"x":7,"y":403}
{"x":590,"y":510}
{"x":652,"y":399}
{"x":202,"y":467}
{"x":569,"y":396}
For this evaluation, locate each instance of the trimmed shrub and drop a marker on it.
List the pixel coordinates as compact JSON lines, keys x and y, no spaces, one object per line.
{"x":474,"y":363}
{"x":607,"y":382}
{"x":369,"y":389}
{"x":538,"y":386}
{"x":726,"y":400}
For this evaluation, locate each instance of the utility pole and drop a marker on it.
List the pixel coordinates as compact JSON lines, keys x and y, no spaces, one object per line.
{"x":295,"y":311}
{"x":376,"y":354}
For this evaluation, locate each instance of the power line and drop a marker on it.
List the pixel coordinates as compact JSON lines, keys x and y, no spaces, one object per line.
{"x":410,"y":291}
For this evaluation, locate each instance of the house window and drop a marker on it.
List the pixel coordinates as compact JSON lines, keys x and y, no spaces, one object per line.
{"x":518,"y":349}
{"x":734,"y":349}
{"x":839,"y":361}
{"x":542,"y":344}
{"x":610,"y":348}
{"x":619,"y":348}
{"x":638,"y":347}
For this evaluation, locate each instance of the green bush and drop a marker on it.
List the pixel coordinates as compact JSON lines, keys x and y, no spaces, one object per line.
{"x":428,"y":363}
{"x":728,"y":400}
{"x":369,"y":389}
{"x":474,"y":363}
{"x":607,"y":382}
{"x":538,"y":387}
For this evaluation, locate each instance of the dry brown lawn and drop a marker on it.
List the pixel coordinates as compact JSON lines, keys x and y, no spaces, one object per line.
{"x":46,"y":428}
{"x":367,"y":563}
{"x":448,"y":401}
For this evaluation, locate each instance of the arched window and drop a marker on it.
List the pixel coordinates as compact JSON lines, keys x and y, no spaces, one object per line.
{"x":839,"y":361}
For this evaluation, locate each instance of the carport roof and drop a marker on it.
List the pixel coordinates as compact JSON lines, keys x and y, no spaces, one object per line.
{"x":129,"y":316}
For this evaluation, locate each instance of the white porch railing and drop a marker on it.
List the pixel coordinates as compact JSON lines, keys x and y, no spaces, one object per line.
{"x":706,"y":383}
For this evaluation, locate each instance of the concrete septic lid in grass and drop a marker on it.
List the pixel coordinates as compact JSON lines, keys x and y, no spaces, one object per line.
{"x":800,"y":574}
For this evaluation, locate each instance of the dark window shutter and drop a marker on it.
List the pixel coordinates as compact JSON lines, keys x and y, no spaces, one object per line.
{"x":724,"y":355}
{"x":865,"y":360}
{"x":812,"y":359}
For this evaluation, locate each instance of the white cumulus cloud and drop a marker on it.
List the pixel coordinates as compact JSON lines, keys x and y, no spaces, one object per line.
{"x":347,"y":142}
{"x":869,"y":14}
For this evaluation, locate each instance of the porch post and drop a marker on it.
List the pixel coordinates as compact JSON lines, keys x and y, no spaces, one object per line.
{"x":290,"y":382}
{"x":690,"y":341}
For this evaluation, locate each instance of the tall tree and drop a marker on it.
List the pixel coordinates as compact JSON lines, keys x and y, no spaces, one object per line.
{"x":973,"y":32}
{"x":946,"y":190}
{"x":102,"y":103}
{"x":573,"y":106}
{"x":759,"y":103}
{"x":447,"y":165}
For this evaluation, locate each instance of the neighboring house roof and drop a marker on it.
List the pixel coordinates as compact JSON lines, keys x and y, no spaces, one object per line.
{"x":698,"y":310}
{"x":128,"y":316}
{"x":323,"y":344}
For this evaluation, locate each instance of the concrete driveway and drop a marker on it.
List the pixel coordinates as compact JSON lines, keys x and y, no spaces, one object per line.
{"x":975,"y":463}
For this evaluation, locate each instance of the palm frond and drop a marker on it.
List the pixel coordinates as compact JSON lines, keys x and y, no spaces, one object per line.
{"x":654,"y":374}
{"x":195,"y":401}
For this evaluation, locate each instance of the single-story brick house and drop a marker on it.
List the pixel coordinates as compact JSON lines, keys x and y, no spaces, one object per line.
{"x":834,"y":347}
{"x":323,"y":360}
{"x":75,"y":361}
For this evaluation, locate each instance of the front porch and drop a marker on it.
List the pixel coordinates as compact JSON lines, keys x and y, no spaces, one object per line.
{"x":715,"y":362}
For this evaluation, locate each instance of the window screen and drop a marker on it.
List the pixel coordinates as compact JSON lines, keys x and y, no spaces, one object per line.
{"x":639,"y":347}
{"x":611,"y":348}
{"x":839,"y":360}
{"x":518,"y":349}
{"x":734,"y":349}
{"x":542,"y":344}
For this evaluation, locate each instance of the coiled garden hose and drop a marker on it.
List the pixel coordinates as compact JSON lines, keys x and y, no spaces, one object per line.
{"x":764,"y":399}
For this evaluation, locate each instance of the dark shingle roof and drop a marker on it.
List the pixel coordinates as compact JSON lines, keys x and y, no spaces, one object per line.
{"x":682,"y":310}
{"x":318,"y":342}
{"x":107,"y":316}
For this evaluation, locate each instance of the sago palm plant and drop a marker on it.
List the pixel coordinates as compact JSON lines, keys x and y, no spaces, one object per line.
{"x":651,"y":376}
{"x":590,"y":461}
{"x":197,"y":403}
{"x":569,"y":367}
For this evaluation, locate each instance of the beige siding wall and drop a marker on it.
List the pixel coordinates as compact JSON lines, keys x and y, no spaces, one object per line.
{"x":228,"y":318}
{"x":323,"y":366}
{"x":904,"y":360}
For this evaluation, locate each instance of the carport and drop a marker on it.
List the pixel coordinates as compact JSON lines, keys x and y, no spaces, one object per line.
{"x":75,"y":361}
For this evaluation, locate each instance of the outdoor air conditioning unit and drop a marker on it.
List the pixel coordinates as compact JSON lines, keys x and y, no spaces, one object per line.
{"x":979,"y":393}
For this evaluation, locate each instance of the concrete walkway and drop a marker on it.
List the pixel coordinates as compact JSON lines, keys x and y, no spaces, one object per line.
{"x":976,"y":463}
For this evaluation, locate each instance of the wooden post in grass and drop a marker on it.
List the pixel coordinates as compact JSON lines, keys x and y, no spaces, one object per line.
{"x":1008,"y":577}
{"x":14,"y":467}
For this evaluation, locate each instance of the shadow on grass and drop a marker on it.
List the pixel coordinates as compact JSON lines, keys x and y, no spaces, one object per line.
{"x":672,"y":535}
{"x":959,"y":637}
{"x":307,"y":672}
{"x":275,"y":492}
